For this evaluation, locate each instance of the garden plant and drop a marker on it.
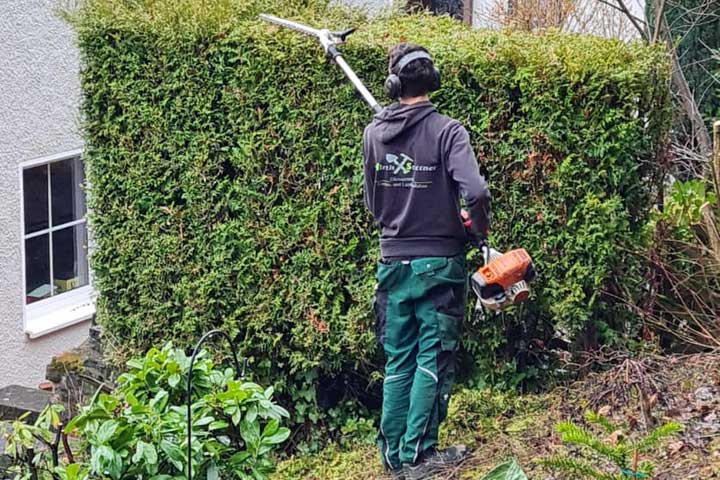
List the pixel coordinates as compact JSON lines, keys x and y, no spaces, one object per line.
{"x":608,"y":444}
{"x":139,"y":430}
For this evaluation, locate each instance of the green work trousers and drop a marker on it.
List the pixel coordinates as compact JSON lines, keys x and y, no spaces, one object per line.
{"x":419,"y":307}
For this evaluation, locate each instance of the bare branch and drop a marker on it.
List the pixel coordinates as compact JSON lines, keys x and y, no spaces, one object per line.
{"x":638,"y":23}
{"x":658,"y":19}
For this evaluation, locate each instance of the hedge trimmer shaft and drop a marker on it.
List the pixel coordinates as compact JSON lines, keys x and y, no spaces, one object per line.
{"x":329,"y":41}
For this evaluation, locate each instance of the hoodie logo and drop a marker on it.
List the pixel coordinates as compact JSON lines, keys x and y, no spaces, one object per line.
{"x":402,"y":165}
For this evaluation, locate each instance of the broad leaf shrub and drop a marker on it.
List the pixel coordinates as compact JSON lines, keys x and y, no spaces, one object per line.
{"x":140,"y":430}
{"x":685,"y":275}
{"x":223,"y":159}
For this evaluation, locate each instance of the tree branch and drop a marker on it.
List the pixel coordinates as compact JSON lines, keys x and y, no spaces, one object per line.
{"x":639,"y":24}
{"x":658,"y":18}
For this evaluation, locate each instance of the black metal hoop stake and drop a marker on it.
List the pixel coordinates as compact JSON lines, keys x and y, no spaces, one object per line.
{"x":239,"y":373}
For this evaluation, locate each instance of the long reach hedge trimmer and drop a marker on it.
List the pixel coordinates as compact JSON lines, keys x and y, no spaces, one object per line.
{"x":503,"y":279}
{"x":329,"y":41}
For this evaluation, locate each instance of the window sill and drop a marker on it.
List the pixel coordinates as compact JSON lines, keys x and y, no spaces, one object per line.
{"x":61,"y":311}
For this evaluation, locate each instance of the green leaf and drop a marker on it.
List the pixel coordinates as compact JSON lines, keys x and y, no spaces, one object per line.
{"x":212,"y":472}
{"x":236,"y":416}
{"x":218,"y":425}
{"x":105,"y":461}
{"x":146,"y":452}
{"x":203,"y":421}
{"x":174,"y":380}
{"x":239,"y":458}
{"x":279,"y":437}
{"x":271,"y":427}
{"x":251,"y":414}
{"x":174,"y":454}
{"x":106,"y":431}
{"x":160,"y":401}
{"x":250,"y":432}
{"x":506,"y":471}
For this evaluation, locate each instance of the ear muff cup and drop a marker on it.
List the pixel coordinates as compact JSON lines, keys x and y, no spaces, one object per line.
{"x":392,"y":86}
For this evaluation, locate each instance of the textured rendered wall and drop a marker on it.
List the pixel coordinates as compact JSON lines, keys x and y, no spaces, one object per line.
{"x":39,"y":92}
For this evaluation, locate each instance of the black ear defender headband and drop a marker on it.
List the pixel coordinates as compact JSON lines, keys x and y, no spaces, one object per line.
{"x":393,"y":85}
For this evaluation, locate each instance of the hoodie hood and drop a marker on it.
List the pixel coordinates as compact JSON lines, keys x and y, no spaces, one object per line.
{"x":397,"y":118}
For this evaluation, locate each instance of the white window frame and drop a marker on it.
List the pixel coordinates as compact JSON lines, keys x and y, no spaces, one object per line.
{"x":65,"y":309}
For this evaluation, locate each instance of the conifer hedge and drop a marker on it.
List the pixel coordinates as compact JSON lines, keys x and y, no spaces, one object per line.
{"x":224,"y":166}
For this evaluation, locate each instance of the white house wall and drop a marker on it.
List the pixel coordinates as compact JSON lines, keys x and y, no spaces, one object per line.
{"x":39,"y":97}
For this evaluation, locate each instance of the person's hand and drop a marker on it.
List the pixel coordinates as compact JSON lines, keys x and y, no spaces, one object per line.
{"x":475,"y":237}
{"x":467,"y":223}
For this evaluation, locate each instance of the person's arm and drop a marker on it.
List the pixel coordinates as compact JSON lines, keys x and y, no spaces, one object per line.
{"x":463,"y":168}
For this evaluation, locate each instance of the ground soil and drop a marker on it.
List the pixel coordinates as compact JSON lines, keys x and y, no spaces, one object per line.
{"x":638,"y":394}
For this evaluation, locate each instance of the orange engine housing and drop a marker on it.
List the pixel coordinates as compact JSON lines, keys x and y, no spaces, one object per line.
{"x":506,"y":270}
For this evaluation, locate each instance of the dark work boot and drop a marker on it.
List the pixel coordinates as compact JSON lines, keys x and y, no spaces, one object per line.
{"x":397,"y":474}
{"x":435,"y":461}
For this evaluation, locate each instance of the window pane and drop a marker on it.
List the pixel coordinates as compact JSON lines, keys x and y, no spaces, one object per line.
{"x":35,"y":193}
{"x":37,"y":268}
{"x":68,"y":199}
{"x":70,"y":269}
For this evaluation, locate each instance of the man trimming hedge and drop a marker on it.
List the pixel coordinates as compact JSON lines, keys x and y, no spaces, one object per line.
{"x":418,"y":163}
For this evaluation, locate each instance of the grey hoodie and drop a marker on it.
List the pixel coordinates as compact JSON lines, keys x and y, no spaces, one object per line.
{"x":418,"y":164}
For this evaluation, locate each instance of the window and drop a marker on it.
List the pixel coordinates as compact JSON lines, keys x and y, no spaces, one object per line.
{"x":57,"y":291}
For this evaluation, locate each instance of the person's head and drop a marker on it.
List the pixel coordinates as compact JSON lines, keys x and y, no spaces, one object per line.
{"x":418,"y":77}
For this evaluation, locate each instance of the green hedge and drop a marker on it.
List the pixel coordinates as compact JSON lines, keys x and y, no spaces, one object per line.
{"x":225,"y":175}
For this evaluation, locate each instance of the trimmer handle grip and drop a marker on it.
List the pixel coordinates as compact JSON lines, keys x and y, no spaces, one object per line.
{"x":343,"y":34}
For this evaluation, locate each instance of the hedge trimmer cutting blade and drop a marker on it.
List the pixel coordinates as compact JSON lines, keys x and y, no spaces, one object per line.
{"x":329,"y":41}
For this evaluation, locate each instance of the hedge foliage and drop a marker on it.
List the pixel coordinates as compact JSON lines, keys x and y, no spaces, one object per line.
{"x":223,"y":159}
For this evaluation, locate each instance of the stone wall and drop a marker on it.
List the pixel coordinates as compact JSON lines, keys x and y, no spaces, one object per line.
{"x":79,"y":373}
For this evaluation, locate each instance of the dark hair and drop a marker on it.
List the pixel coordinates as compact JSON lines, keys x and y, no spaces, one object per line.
{"x":417,"y":76}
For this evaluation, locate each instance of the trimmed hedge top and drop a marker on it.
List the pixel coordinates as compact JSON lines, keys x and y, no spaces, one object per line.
{"x":224,"y":161}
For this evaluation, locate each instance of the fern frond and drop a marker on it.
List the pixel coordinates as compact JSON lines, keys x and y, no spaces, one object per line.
{"x":646,"y":467}
{"x":656,"y":436}
{"x":576,"y":467}
{"x":603,"y":422}
{"x":571,"y":433}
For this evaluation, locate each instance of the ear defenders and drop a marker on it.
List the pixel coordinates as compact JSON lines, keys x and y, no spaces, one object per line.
{"x":393,"y":85}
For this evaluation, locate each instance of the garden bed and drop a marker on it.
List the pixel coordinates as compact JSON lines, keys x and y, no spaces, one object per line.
{"x":685,"y":389}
